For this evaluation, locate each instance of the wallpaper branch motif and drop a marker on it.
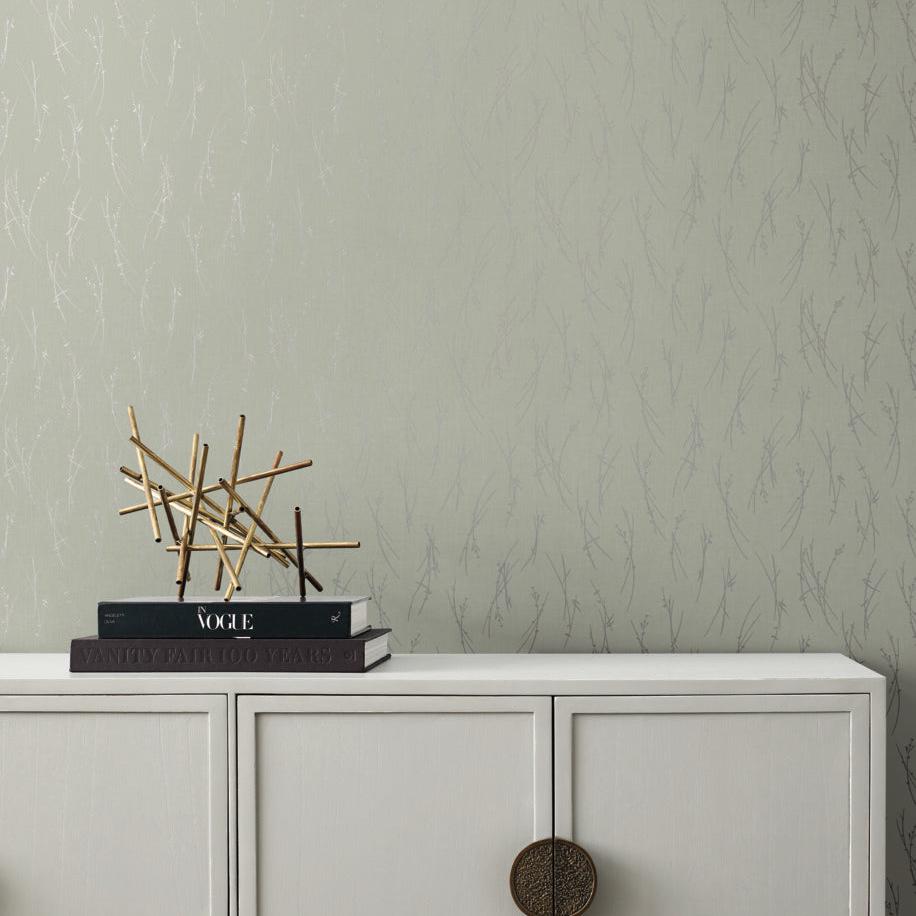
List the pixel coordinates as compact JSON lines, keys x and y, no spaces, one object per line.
{"x":602,"y":315}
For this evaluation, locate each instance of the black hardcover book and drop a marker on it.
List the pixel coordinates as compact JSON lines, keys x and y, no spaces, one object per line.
{"x":213,"y":618}
{"x":356,"y":654}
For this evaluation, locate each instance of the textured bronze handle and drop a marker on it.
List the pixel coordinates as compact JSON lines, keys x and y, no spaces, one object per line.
{"x":553,"y":877}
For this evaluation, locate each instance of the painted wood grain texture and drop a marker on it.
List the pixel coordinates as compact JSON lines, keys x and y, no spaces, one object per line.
{"x":107,"y":807}
{"x":598,"y":318}
{"x":388,"y":805}
{"x":706,"y":806}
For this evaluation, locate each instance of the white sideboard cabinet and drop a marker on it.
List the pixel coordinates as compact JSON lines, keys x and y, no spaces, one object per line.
{"x":690,"y":785}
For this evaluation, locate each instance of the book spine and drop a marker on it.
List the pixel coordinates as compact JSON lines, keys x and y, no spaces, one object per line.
{"x":189,"y":655}
{"x":205,"y":621}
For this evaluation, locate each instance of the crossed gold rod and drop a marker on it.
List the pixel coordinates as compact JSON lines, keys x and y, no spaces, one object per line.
{"x":213,"y":523}
{"x":181,"y":572}
{"x":252,"y":528}
{"x":256,"y":518}
{"x":213,"y":487}
{"x":224,"y":557}
{"x":253,"y":514}
{"x":169,"y":515}
{"x":290,"y":545}
{"x":144,"y":477}
{"x":184,"y":557}
{"x":205,"y":517}
{"x":187,"y":482}
{"x":170,"y":497}
{"x":233,"y":477}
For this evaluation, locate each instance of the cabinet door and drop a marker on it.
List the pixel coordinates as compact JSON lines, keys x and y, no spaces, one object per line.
{"x":113,"y":805}
{"x":718,"y":806}
{"x":388,"y":805}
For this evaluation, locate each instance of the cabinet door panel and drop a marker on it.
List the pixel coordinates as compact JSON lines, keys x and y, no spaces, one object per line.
{"x":718,"y":806}
{"x":113,"y":805}
{"x":388,"y":805}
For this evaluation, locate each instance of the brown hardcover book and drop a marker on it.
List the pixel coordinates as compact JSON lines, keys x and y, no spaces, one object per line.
{"x":356,"y":654}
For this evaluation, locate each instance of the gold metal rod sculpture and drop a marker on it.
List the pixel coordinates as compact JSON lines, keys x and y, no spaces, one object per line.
{"x":233,"y":478}
{"x":213,"y":487}
{"x":154,"y":519}
{"x":221,"y":520}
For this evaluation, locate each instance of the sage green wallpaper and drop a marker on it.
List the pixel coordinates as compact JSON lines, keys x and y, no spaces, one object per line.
{"x":598,"y":319}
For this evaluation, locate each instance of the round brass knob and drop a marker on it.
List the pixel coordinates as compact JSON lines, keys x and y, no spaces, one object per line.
{"x":575,"y":879}
{"x":553,"y":877}
{"x":531,"y":879}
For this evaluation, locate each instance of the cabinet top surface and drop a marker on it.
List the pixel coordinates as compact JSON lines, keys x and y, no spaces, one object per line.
{"x":487,"y":673}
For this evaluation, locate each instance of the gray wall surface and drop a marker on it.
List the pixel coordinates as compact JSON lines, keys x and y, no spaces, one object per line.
{"x":598,"y":319}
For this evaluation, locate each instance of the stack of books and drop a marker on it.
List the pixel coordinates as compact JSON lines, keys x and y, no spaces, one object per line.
{"x":260,"y":634}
